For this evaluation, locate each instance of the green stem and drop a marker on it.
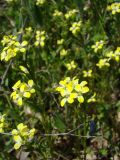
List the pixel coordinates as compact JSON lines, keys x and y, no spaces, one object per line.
{"x":85,"y":131}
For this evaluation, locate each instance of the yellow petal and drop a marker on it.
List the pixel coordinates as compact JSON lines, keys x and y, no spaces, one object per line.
{"x":70,"y":100}
{"x":17,"y":146}
{"x":22,"y":50}
{"x":63,"y":101}
{"x":81,"y":99}
{"x":85,"y":90}
{"x":21,"y":127}
{"x":78,"y":87}
{"x":32,"y":90}
{"x":22,"y":68}
{"x":62,"y":82}
{"x":17,"y":138}
{"x":27,"y":94}
{"x":30,"y":83}
{"x":22,"y":87}
{"x":69,"y":87}
{"x":24,"y":43}
{"x":73,"y":95}
{"x":83,"y":83}
{"x":16,"y":85}
{"x":14,"y":132}
{"x":19,"y":101}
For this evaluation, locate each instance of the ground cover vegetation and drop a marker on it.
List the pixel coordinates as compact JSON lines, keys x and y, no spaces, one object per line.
{"x":59,"y":79}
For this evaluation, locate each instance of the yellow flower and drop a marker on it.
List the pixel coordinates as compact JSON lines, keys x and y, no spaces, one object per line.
{"x":71,"y":14}
{"x":87,"y":73}
{"x":71,"y":65}
{"x":40,"y":38}
{"x":12,"y":47}
{"x":70,"y":90}
{"x":114,"y":8}
{"x":63,"y":52}
{"x":114,"y":55}
{"x":110,"y":55}
{"x":21,"y":90}
{"x":57,"y":13}
{"x":40,"y":2}
{"x":22,"y":135}
{"x":8,"y":40}
{"x":102,"y":63}
{"x":75,"y":28}
{"x":98,"y":45}
{"x":60,"y":41}
{"x":22,"y":128}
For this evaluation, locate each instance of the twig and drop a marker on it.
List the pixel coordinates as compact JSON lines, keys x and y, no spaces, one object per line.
{"x":5,"y":73}
{"x":9,"y":134}
{"x":63,"y":134}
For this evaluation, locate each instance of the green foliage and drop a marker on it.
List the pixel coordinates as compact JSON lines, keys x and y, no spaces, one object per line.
{"x":50,"y":50}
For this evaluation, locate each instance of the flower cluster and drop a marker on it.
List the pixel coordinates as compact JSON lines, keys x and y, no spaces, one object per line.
{"x":98,"y":45}
{"x":87,"y":73}
{"x":22,"y":135}
{"x":75,"y":28}
{"x":40,"y":38}
{"x":57,"y":13}
{"x":103,"y":62}
{"x":71,"y":65}
{"x":40,"y":2}
{"x":114,"y":55}
{"x":71,"y":13}
{"x":2,"y":123}
{"x":21,"y":90}
{"x":12,"y":47}
{"x":114,"y":8}
{"x":70,"y":89}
